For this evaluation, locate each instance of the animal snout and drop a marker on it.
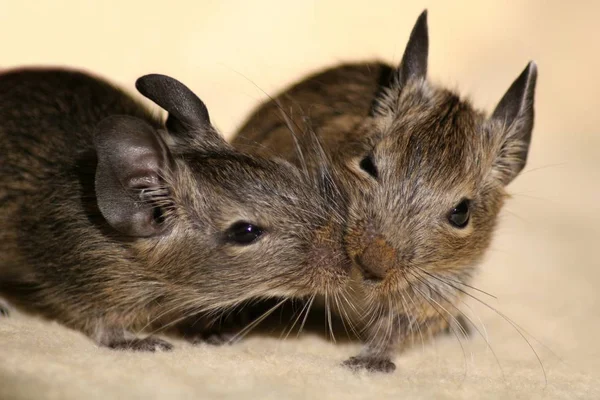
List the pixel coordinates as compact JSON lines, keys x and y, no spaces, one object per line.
{"x":376,"y":259}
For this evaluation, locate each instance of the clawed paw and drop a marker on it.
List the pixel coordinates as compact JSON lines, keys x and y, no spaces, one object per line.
{"x":371,"y":364}
{"x":150,"y":344}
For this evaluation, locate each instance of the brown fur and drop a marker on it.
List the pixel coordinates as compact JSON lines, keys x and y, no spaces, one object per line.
{"x":431,"y":149}
{"x":60,"y":258}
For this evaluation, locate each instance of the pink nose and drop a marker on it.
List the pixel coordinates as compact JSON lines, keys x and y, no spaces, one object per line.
{"x":377,"y":258}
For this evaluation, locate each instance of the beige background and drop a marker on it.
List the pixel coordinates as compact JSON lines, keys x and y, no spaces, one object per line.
{"x":544,"y":266}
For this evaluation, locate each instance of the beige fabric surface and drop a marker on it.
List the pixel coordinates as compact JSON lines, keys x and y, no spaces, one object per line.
{"x":544,"y":264}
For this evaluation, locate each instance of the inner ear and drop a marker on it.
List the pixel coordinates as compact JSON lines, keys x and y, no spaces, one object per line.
{"x":132,"y":161}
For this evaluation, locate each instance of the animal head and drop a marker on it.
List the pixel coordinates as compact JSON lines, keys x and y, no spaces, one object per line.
{"x":433,"y":172}
{"x":216,"y":224}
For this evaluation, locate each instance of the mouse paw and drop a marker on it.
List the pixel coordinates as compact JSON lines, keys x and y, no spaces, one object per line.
{"x":149,"y":343}
{"x":371,"y":364}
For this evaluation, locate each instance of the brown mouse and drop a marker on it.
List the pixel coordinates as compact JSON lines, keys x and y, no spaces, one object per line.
{"x":423,"y":173}
{"x":115,"y":223}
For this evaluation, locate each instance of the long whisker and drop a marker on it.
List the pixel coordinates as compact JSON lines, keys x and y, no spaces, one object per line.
{"x":542,"y":167}
{"x":175,"y":321}
{"x":431,"y":302}
{"x":390,"y":327}
{"x":515,"y":326}
{"x":341,"y":313}
{"x":180,"y":306}
{"x":296,"y":320}
{"x":379,"y":317}
{"x":289,"y":124}
{"x":328,"y":316}
{"x":287,"y":119}
{"x":520,"y":331}
{"x":410,"y":297}
{"x":374,"y":315}
{"x":444,"y":298}
{"x":456,"y":281}
{"x":310,"y":303}
{"x":345,"y":313}
{"x":411,"y":320}
{"x":485,"y":333}
{"x":255,"y":323}
{"x":295,"y":314}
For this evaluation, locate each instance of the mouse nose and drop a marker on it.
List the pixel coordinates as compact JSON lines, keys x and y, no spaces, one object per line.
{"x":377,"y":258}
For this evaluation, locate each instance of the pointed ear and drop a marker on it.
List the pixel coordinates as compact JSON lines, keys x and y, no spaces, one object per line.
{"x":414,"y":60}
{"x":515,"y":114}
{"x":131,"y":160}
{"x":188,"y":115}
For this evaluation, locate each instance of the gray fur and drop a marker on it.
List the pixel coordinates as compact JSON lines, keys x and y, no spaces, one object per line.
{"x":105,"y":270}
{"x":404,"y":153}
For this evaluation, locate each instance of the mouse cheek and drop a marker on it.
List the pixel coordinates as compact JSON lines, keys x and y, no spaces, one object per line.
{"x":464,"y":252}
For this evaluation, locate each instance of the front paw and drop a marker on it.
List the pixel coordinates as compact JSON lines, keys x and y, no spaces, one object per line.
{"x":150,"y":344}
{"x":371,"y":364}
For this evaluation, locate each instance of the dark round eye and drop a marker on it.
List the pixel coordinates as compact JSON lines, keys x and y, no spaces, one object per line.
{"x":243,"y":233}
{"x":368,"y":165}
{"x":459,"y":215}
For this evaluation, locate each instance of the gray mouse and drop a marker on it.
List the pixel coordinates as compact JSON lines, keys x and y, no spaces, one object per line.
{"x":120,"y":225}
{"x":423,"y":173}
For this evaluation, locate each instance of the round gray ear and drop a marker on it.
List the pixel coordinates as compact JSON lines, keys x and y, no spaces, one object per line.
{"x":186,"y":110}
{"x":188,"y":117}
{"x":414,"y":60}
{"x":131,"y":161}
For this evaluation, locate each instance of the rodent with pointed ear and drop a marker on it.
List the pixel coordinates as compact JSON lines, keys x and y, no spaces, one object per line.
{"x":424,"y":174}
{"x":115,"y":223}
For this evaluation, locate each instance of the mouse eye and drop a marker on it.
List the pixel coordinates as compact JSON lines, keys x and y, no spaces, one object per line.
{"x":368,"y":165}
{"x":243,"y":233}
{"x":459,"y":215}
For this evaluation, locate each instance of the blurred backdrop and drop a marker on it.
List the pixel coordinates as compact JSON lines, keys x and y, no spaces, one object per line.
{"x":545,"y":263}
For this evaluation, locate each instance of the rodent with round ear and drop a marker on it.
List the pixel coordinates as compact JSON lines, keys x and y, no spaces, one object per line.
{"x":114,"y":224}
{"x":424,"y":173}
